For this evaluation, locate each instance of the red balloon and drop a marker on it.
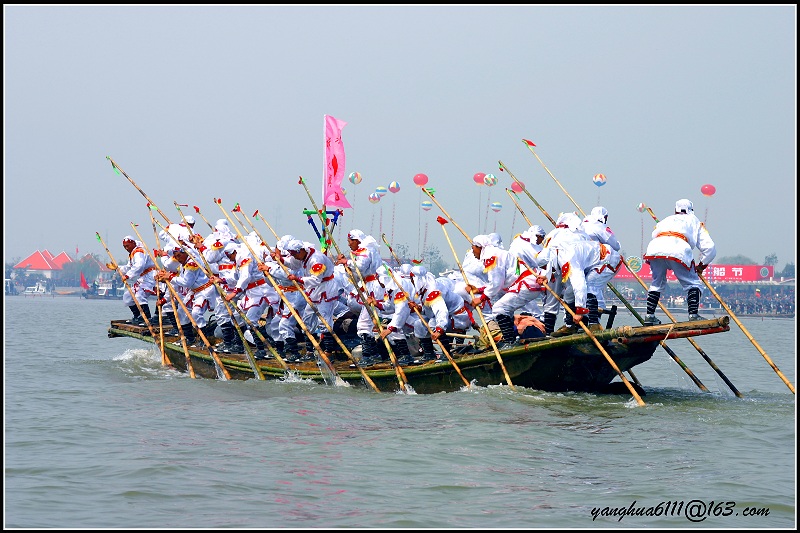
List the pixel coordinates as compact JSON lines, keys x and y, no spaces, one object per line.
{"x":517,"y":186}
{"x":708,"y":190}
{"x":478,"y":178}
{"x":420,"y":180}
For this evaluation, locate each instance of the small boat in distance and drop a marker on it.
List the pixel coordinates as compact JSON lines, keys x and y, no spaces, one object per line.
{"x":40,"y":289}
{"x":106,"y":290}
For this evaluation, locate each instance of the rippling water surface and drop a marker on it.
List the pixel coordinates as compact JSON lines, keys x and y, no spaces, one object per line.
{"x":99,"y":435}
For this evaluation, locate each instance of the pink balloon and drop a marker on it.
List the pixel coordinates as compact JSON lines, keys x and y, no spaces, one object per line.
{"x":517,"y":186}
{"x":478,"y":178}
{"x":420,"y":180}
{"x":708,"y":190}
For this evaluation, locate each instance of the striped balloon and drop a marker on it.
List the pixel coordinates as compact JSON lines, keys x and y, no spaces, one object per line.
{"x":355,"y":178}
{"x":374,"y":198}
{"x":490,"y":180}
{"x":380,"y":191}
{"x":426,"y":205}
{"x":394,"y":187}
{"x":599,"y":179}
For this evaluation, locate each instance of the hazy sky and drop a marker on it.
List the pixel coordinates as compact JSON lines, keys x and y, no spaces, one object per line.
{"x":201,"y":102}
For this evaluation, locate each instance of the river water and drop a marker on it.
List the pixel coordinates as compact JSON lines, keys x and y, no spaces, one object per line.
{"x":99,"y":435}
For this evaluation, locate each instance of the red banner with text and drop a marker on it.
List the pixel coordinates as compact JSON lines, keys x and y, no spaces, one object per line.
{"x":718,"y":273}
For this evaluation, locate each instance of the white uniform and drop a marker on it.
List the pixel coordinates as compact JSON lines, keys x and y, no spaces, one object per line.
{"x":366,"y":260}
{"x":140,"y":276}
{"x":201,"y":295}
{"x":594,"y":225}
{"x":674,"y":239}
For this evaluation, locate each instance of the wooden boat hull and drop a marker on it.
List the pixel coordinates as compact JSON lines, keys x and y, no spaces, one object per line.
{"x":570,"y":363}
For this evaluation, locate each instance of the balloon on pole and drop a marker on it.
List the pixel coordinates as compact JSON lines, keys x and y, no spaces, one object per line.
{"x":708,"y":190}
{"x":426,"y":205}
{"x":420,"y":180}
{"x":355,"y":178}
{"x":517,"y":187}
{"x":394,"y":187}
{"x":496,"y":206}
{"x":599,"y":179}
{"x":490,"y":180}
{"x":374,"y":198}
{"x":641,"y":207}
{"x":381,"y":190}
{"x":478,"y":178}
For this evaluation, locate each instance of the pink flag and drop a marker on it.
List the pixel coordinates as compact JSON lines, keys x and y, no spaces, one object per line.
{"x":332,"y":193}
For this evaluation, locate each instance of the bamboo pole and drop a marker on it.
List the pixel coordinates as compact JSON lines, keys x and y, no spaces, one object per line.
{"x":221,"y":293}
{"x":485,"y":324}
{"x":421,"y":318}
{"x":218,"y":362}
{"x":132,"y":293}
{"x":299,"y":288}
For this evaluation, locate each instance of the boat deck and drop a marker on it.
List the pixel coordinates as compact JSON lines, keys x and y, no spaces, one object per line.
{"x":572,"y":362}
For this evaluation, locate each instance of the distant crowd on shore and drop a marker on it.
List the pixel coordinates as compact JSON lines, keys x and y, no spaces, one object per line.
{"x":779,"y":304}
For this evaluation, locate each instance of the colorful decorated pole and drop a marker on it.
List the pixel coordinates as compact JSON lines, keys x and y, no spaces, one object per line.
{"x":302,"y":291}
{"x":359,"y":284}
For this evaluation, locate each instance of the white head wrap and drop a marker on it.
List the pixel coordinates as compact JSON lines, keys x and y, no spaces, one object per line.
{"x":481,"y":240}
{"x":189,"y":220}
{"x":684,"y":206}
{"x":356,"y":234}
{"x":496,"y":240}
{"x":570,"y":220}
{"x":536,"y":230}
{"x":295,"y":245}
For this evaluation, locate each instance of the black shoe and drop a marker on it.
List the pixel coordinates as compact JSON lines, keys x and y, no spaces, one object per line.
{"x":370,"y":361}
{"x":406,"y":360}
{"x":565,"y":330}
{"x":172,"y":333}
{"x":651,"y":320}
{"x":695,"y":316}
{"x":260,"y":355}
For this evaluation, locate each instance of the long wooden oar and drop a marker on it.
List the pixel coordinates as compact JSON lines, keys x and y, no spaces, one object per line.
{"x":738,"y":322}
{"x":189,"y":365}
{"x":338,"y":380}
{"x":175,"y":306}
{"x":221,"y":293}
{"x":484,"y":323}
{"x":597,"y":343}
{"x":360,"y":286}
{"x":422,"y":318}
{"x":300,"y":289}
{"x":619,"y":295}
{"x":248,"y":351}
{"x":218,"y":362}
{"x":313,"y":306}
{"x":131,"y":292}
{"x":503,"y":168}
